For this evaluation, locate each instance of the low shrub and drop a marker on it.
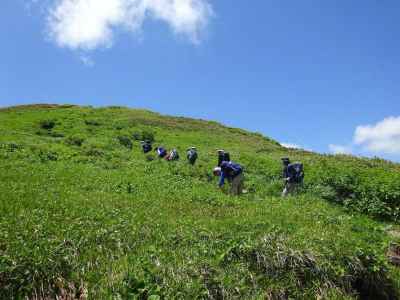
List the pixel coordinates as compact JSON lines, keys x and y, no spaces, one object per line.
{"x":148,"y":135}
{"x":11,"y":147}
{"x":137,"y":136}
{"x":143,"y":135}
{"x":75,"y":140}
{"x":56,"y":134}
{"x":94,"y":151}
{"x":92,"y":122}
{"x":47,"y":124}
{"x":125,"y":141}
{"x":272,"y":258}
{"x":48,"y":156}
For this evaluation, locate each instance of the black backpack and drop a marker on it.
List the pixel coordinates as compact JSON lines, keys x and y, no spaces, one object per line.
{"x":224,"y":156}
{"x":192,"y":156}
{"x":296,"y":172}
{"x":147,"y":147}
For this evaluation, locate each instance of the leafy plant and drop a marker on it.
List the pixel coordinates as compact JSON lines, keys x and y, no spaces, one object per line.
{"x":125,"y":141}
{"x":47,"y":124}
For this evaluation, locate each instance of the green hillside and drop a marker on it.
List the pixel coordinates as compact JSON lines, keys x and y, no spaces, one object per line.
{"x":84,"y":214}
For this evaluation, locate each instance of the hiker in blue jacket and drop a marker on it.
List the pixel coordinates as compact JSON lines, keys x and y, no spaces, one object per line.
{"x":293,"y":175}
{"x":233,"y":172}
{"x":146,"y":146}
{"x":191,"y":155}
{"x":161,"y":152}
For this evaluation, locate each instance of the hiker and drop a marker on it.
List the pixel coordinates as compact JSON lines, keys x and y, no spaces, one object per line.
{"x":192,"y":155}
{"x":146,"y":146}
{"x":161,"y":152}
{"x":293,"y":175}
{"x":233,"y":172}
{"x":223,"y":156}
{"x":173,"y":155}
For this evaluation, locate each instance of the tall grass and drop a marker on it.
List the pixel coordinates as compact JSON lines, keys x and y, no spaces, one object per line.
{"x":87,"y":215}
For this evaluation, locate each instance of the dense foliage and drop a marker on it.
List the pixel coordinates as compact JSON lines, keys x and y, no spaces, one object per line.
{"x":85,"y":214}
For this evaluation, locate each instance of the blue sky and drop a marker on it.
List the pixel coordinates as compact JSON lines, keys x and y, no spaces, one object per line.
{"x":321,"y":75}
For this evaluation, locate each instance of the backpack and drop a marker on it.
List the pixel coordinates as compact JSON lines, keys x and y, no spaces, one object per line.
{"x":237,"y":169}
{"x":234,"y":169}
{"x":161,"y":152}
{"x":296,"y":172}
{"x":146,"y":147}
{"x":192,"y":156}
{"x":173,"y":155}
{"x":225,"y":156}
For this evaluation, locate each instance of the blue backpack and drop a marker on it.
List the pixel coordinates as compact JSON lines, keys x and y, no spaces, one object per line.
{"x":161,"y":152}
{"x":234,"y":168}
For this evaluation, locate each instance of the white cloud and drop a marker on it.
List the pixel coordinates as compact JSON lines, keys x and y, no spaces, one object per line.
{"x":290,"y":146}
{"x":294,"y":146}
{"x":340,"y":149}
{"x":89,"y":24}
{"x":383,"y":137}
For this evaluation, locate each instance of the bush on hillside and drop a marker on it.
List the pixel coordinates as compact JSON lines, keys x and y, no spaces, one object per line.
{"x":11,"y":147}
{"x":148,"y":135}
{"x":75,"y":140}
{"x":364,"y":274}
{"x":92,"y":122}
{"x":125,"y":141}
{"x":143,"y":135}
{"x":46,"y":156}
{"x":374,"y":191}
{"x":94,"y":151}
{"x":47,"y":124}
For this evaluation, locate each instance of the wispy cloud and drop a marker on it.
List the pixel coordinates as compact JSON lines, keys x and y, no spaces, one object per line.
{"x":90,"y":24}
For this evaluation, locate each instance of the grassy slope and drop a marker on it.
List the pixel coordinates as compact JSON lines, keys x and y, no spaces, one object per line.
{"x":101,"y":220}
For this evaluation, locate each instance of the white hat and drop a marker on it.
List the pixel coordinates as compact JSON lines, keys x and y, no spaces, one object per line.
{"x":216,"y":170}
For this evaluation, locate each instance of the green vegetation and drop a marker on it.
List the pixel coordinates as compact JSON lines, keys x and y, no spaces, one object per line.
{"x":85,"y":214}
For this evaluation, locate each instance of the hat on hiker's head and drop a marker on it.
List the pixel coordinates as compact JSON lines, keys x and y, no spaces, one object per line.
{"x":220,"y":151}
{"x":217,"y":171}
{"x":191,"y":148}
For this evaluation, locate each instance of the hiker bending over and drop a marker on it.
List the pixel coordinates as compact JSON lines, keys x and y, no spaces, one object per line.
{"x":173,"y":155}
{"x":233,"y":172}
{"x":293,"y":175}
{"x":192,"y":155}
{"x":146,"y":146}
{"x":223,"y":156}
{"x":161,"y":152}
